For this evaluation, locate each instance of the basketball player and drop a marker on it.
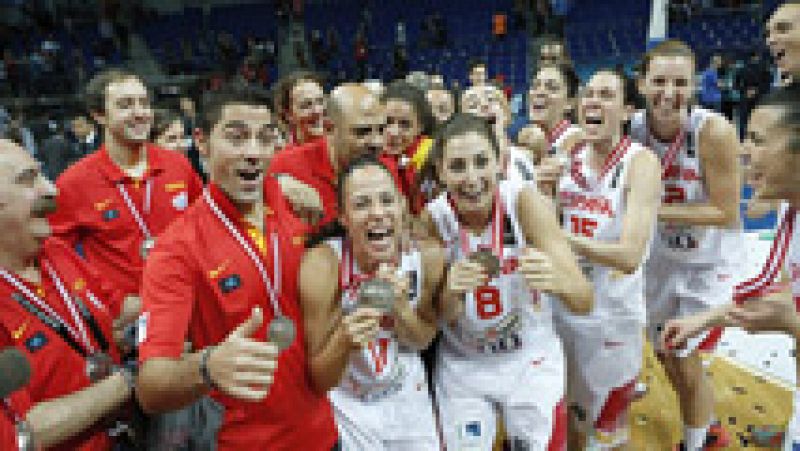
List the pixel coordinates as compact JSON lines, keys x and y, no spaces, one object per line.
{"x":768,"y":301}
{"x":609,"y":202}
{"x":509,"y":264}
{"x":368,"y":357}
{"x":550,"y":101}
{"x":489,"y":102}
{"x":701,"y":188}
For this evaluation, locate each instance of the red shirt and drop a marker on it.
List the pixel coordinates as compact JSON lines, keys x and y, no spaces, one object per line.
{"x":311,"y":164}
{"x":57,"y":368}
{"x":92,"y":211}
{"x":193,"y":289}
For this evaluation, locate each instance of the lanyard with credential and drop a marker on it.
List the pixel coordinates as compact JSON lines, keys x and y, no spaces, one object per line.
{"x":148,"y":242}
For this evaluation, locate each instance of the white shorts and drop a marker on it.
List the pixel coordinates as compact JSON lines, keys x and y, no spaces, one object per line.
{"x":604,"y":358}
{"x":526,"y":387}
{"x":673,"y":291}
{"x":401,"y":421}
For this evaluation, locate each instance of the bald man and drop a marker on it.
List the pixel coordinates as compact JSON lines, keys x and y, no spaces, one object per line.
{"x":357,"y":121}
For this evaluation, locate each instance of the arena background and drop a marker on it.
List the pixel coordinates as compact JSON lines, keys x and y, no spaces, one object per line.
{"x":50,"y":48}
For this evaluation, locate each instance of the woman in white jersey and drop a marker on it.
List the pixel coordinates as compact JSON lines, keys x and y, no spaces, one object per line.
{"x":550,"y":103}
{"x":608,"y":202}
{"x":509,"y":263}
{"x":769,"y":301}
{"x":686,"y":271}
{"x":365,"y":354}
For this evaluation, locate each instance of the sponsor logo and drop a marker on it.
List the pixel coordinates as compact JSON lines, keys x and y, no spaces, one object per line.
{"x":36,"y":342}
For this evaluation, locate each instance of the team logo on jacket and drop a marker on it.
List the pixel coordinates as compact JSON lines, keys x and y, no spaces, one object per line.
{"x":230,"y":283}
{"x":181,"y":201}
{"x":36,"y":342}
{"x":110,"y":215}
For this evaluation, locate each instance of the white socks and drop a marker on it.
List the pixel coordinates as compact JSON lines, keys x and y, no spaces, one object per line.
{"x":694,"y":438}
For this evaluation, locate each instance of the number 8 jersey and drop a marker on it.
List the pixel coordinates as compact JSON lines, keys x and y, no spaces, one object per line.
{"x":682,"y":175}
{"x":503,"y":315}
{"x":594,"y":205}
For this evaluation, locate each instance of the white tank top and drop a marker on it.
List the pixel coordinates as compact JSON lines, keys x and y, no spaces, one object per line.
{"x":378,"y":369}
{"x":519,"y":166}
{"x":593,"y":205}
{"x":502,"y":316}
{"x":682,"y":175}
{"x":557,"y":140}
{"x":784,"y":255}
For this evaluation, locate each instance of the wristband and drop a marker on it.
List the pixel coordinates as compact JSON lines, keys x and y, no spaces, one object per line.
{"x":204,"y":373}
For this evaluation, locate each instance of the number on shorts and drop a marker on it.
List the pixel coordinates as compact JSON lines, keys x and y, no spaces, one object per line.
{"x":487,"y":302}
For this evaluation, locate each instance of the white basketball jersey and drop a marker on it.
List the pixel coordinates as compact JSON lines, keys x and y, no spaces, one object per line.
{"x":519,"y":166}
{"x":593,"y":205}
{"x":682,"y":176}
{"x":378,"y":369}
{"x":504,"y":315}
{"x":557,"y":139}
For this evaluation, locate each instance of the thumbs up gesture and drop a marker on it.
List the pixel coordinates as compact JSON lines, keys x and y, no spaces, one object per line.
{"x":241,"y":366}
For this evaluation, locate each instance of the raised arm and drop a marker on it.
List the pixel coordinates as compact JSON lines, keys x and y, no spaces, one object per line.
{"x":643,"y":194}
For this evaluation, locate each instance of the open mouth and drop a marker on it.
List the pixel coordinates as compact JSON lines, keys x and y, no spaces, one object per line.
{"x":249,"y":175}
{"x":593,"y":118}
{"x":380,"y":234}
{"x":43,"y":206}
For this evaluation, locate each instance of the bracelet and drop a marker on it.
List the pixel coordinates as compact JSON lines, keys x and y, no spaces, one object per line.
{"x":204,"y":373}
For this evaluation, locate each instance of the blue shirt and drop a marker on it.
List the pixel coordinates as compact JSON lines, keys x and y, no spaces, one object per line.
{"x":709,"y":90}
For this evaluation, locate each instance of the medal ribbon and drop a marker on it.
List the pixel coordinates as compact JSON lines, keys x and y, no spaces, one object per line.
{"x":496,"y":227}
{"x":137,"y":216}
{"x":72,"y":333}
{"x":273,"y":289}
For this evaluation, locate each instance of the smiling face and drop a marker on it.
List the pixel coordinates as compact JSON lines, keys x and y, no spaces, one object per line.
{"x":306,"y":110}
{"x":26,"y":197}
{"x":238,"y":150}
{"x":402,"y":126}
{"x":469,"y":172}
{"x":358,"y":125}
{"x":775,"y":168}
{"x":127,"y":115}
{"x":548,"y":98}
{"x":783,"y":38}
{"x":668,"y":87}
{"x":602,"y":108}
{"x":489,"y":103}
{"x":372,"y":214}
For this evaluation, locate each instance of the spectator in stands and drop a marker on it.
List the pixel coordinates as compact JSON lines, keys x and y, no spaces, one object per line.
{"x":753,"y":81}
{"x":727,"y":74}
{"x":55,"y":151}
{"x":552,"y":51}
{"x":710,"y":94}
{"x":477,"y":73}
{"x":442,"y":103}
{"x":83,"y":134}
{"x":168,"y":131}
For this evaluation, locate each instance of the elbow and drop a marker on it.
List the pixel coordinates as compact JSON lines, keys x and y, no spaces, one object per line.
{"x":583,"y":300}
{"x":630,"y":264}
{"x":147,"y":400}
{"x":321,"y":384}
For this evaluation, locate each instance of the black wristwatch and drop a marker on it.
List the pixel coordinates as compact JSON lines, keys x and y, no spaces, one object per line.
{"x":204,"y":373}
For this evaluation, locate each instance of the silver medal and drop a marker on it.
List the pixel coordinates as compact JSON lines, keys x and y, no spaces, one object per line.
{"x":281,"y":331}
{"x":488,"y":260}
{"x":147,"y":245}
{"x":98,"y":366}
{"x":378,"y":294}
